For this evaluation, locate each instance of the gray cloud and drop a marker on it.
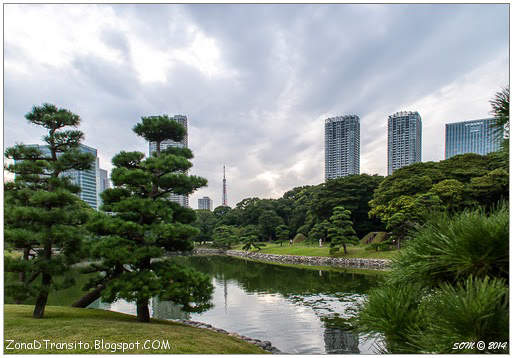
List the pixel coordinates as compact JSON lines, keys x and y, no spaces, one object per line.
{"x":257,"y":101}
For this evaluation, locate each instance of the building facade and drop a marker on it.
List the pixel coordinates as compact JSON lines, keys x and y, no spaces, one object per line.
{"x":205,"y":203}
{"x":404,"y":140}
{"x":477,"y":136}
{"x":341,"y":146}
{"x":102,"y":183}
{"x":183,"y":200}
{"x":85,"y":179}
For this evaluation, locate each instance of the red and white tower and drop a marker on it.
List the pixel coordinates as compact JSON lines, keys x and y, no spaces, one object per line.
{"x":225,"y":199}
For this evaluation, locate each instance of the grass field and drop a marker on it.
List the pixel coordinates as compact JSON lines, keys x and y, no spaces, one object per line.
{"x":73,"y":325}
{"x":307,"y":250}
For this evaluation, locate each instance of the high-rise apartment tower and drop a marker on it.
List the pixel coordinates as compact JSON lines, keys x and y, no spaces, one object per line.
{"x":205,"y":203}
{"x":225,"y":196}
{"x":404,"y":140}
{"x":478,"y":136}
{"x":183,"y":200}
{"x":341,"y":146}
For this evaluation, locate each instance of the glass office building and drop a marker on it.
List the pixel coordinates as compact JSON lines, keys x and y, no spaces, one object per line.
{"x":85,"y":179}
{"x":341,"y":146}
{"x":404,"y":140}
{"x":180,"y":199}
{"x":478,"y":136}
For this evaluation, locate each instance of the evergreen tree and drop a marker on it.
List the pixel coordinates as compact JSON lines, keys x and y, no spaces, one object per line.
{"x":43,"y":216}
{"x":145,"y":223}
{"x":282,"y":233}
{"x":341,"y":232}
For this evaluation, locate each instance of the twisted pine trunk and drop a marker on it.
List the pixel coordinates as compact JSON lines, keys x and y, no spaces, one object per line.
{"x":39,"y":308}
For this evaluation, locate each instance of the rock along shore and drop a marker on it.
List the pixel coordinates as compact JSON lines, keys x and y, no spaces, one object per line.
{"x":376,"y":264}
{"x":265,"y":345}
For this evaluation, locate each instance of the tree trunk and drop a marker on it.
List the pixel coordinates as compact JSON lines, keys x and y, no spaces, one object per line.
{"x":89,"y":297}
{"x":143,"y":311}
{"x":345,"y":248}
{"x":398,"y":243}
{"x":39,"y":308}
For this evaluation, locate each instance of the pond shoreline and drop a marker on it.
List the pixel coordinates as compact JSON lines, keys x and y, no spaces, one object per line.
{"x":265,"y":345}
{"x":374,"y":264}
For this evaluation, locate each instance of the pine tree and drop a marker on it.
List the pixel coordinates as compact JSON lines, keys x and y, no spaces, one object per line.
{"x":144,"y":224}
{"x":43,"y":216}
{"x":341,"y":232}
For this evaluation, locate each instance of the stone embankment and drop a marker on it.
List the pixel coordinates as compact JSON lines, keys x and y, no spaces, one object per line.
{"x":302,"y":260}
{"x":265,"y":345}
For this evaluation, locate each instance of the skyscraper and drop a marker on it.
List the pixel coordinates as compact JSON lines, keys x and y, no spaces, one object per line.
{"x":205,"y":203}
{"x":85,"y":179}
{"x":183,"y":200}
{"x":476,"y":136}
{"x":404,"y":140}
{"x":101,"y":184}
{"x":225,"y":195}
{"x":341,"y":146}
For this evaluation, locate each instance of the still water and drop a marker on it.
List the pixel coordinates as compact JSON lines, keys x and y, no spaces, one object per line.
{"x":300,"y":311}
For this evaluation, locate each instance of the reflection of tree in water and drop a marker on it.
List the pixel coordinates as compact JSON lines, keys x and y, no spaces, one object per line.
{"x":340,"y":342}
{"x":330,"y":294}
{"x":260,"y":277}
{"x":167,"y":310}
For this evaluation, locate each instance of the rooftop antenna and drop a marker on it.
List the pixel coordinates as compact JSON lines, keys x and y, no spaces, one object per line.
{"x":225,"y":199}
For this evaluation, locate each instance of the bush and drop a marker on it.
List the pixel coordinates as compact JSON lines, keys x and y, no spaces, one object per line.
{"x":299,"y":238}
{"x":448,"y":285}
{"x":394,"y":312}
{"x":472,"y":311}
{"x":450,"y":249}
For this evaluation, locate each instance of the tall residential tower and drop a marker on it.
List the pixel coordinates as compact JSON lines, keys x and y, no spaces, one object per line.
{"x":478,"y":136}
{"x":341,"y":146}
{"x":404,"y":140}
{"x":205,"y":203}
{"x":183,"y":200}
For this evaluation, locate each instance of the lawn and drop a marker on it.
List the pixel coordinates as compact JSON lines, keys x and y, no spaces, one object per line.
{"x":74,"y":325}
{"x":310,"y":250}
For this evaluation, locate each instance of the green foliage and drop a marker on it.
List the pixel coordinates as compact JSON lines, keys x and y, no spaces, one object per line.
{"x":448,"y":285}
{"x":470,"y":311}
{"x":353,"y":192}
{"x":319,"y":231}
{"x":462,"y":181}
{"x":341,"y":231}
{"x":249,"y":237}
{"x":205,"y":222}
{"x":500,"y":111}
{"x":42,"y":212}
{"x":225,"y":236}
{"x":451,"y":248}
{"x":268,"y":221}
{"x":282,"y":233}
{"x":299,"y":238}
{"x":145,"y":224}
{"x":394,"y":312}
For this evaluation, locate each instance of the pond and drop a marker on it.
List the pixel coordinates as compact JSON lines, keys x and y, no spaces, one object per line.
{"x":300,"y":310}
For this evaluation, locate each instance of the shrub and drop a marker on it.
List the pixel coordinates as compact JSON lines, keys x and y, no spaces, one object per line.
{"x":299,"y":238}
{"x":450,"y":249}
{"x":471,"y":311}
{"x":392,"y":311}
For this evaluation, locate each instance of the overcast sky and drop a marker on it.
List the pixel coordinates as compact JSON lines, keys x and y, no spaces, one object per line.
{"x":255,"y":81}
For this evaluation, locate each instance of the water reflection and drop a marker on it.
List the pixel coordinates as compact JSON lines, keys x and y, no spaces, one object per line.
{"x":300,"y":311}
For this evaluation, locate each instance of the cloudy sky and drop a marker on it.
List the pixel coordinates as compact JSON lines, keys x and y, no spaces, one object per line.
{"x":256,"y":81}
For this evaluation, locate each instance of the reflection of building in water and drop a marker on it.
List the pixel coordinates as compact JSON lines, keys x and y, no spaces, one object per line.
{"x":340,"y":342}
{"x":167,"y":310}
